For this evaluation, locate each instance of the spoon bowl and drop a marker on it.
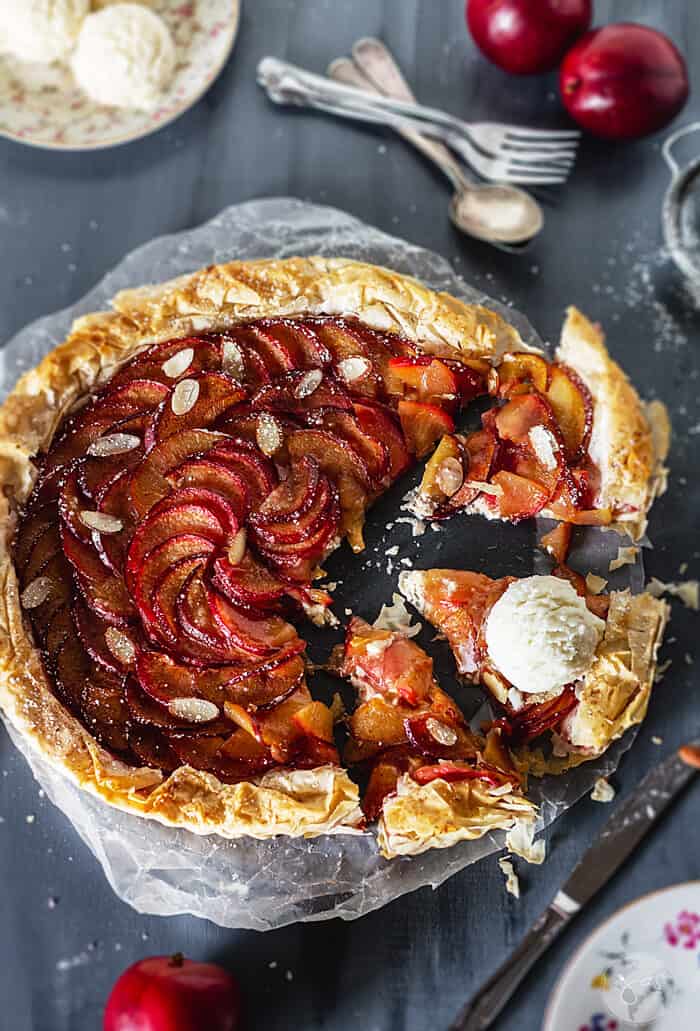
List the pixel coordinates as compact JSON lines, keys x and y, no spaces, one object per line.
{"x":496,"y":214}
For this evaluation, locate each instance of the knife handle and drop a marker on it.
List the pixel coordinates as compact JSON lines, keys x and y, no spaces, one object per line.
{"x":483,"y":1009}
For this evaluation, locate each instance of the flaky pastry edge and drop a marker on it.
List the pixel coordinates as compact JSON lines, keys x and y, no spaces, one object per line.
{"x":419,"y":817}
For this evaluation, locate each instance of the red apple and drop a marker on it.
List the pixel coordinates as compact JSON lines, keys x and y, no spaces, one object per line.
{"x":623,"y":81}
{"x":525,"y":37}
{"x":170,"y":993}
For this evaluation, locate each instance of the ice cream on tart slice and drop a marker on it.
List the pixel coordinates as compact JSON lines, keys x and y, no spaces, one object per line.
{"x":556,"y":658}
{"x":569,"y":439}
{"x":432,"y":781}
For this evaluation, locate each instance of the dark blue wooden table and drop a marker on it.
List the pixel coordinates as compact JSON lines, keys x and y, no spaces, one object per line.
{"x":65,"y":219}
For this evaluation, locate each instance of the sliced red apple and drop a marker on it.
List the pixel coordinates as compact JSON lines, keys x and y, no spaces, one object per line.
{"x":572,"y":406}
{"x":261,"y":636}
{"x":520,"y":498}
{"x":382,"y":424}
{"x":150,"y":363}
{"x":215,"y":394}
{"x":152,"y":747}
{"x":149,"y":482}
{"x":423,"y":425}
{"x":522,"y":370}
{"x":421,"y":378}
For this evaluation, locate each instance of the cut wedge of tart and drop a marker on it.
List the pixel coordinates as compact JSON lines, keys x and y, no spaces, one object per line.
{"x":558,"y":660}
{"x":568,"y":439}
{"x":432,"y":781}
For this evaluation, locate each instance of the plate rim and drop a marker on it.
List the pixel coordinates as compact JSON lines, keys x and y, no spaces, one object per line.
{"x":555,"y":994}
{"x":78,"y":148}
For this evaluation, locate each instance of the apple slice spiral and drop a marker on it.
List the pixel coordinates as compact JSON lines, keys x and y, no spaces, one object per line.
{"x":179,"y":519}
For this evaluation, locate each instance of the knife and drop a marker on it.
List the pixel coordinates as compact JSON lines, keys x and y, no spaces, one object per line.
{"x":618,"y":839}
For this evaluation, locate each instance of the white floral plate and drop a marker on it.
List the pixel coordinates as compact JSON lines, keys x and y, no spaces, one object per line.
{"x":638,"y":971}
{"x":41,"y":105}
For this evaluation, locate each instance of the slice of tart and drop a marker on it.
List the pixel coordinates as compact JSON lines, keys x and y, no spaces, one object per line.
{"x":432,"y":781}
{"x":569,"y":439}
{"x":556,"y":659}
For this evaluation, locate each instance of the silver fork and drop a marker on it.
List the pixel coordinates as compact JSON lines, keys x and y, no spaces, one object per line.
{"x":545,"y":160}
{"x":501,"y":214}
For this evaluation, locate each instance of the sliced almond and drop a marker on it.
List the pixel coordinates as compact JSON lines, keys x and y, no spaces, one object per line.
{"x":450,"y":476}
{"x":440,"y":732}
{"x":353,"y":368}
{"x":232,"y":361}
{"x":178,"y":363}
{"x":36,"y":592}
{"x":184,"y":396}
{"x":268,"y":434}
{"x":309,"y":382}
{"x":113,"y":444}
{"x":102,"y":522}
{"x":485,"y":488}
{"x":194,"y":710}
{"x":120,"y":645}
{"x":236,"y":549}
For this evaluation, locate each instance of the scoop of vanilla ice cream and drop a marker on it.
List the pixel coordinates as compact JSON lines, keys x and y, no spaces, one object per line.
{"x":540,"y":635}
{"x":125,"y":57}
{"x":41,"y":30}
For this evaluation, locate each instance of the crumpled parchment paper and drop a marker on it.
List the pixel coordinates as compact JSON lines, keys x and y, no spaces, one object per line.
{"x":267,"y":884}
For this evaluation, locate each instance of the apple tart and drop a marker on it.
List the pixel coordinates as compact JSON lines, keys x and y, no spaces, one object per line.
{"x":175,"y":473}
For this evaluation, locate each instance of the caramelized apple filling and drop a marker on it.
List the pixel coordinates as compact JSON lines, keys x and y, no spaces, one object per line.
{"x":406,"y":724}
{"x":531,"y":453}
{"x":179,"y":519}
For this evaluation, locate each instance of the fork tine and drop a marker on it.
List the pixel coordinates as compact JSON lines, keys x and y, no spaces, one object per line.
{"x":531,"y":168}
{"x":533,"y":180}
{"x":542,"y":148}
{"x":556,"y":135}
{"x":549,"y":157}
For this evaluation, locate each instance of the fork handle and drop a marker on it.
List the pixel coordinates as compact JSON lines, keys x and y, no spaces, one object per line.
{"x":286,"y":83}
{"x":480,"y":1013}
{"x":343,"y":70}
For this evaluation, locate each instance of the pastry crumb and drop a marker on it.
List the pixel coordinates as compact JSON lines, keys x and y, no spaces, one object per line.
{"x":392,"y":551}
{"x":512,"y":881}
{"x":272,"y":965}
{"x":397,"y":618}
{"x":520,"y":840}
{"x":656,"y":740}
{"x":626,"y":556}
{"x":687,"y":591}
{"x":289,"y":975}
{"x":603,"y":791}
{"x":417,"y":525}
{"x":661,"y":670}
{"x":595,"y":584}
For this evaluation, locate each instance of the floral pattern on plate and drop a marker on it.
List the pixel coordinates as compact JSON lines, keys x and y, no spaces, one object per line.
{"x":42,"y":106}
{"x":640,"y":969}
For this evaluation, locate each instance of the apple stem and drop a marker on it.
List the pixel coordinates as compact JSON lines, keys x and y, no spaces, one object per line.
{"x":177,"y":960}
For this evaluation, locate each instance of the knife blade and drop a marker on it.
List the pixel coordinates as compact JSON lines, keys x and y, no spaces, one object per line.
{"x":620,"y":836}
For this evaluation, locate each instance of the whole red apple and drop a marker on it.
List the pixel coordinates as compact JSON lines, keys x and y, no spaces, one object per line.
{"x":527,"y":36}
{"x":170,"y":993}
{"x":623,"y":81}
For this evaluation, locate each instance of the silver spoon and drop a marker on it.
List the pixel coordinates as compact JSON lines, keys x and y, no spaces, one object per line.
{"x":504,"y":216}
